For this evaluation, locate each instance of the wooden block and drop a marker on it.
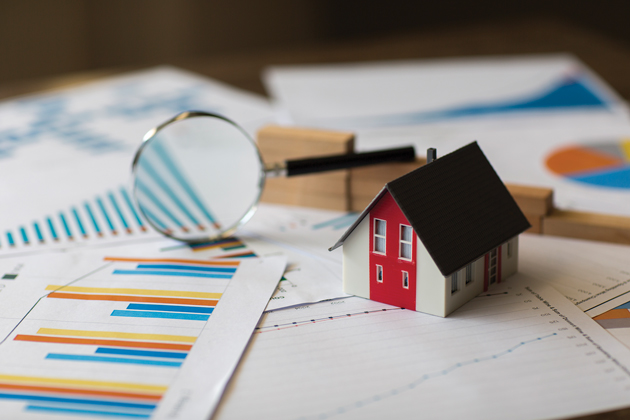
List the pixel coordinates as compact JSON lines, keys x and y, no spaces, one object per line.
{"x":366,"y":182}
{"x":328,"y":190}
{"x":536,"y":221}
{"x":582,"y":225}
{"x":532,"y":200}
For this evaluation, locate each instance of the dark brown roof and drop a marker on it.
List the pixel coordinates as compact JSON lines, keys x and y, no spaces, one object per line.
{"x":458,"y":207}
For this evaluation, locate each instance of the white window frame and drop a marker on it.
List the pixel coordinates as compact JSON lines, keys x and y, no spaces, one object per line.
{"x":402,"y":242}
{"x":454,"y":282}
{"x":379,"y":270}
{"x":384,"y":237}
{"x":468,"y":274}
{"x":405,"y":275}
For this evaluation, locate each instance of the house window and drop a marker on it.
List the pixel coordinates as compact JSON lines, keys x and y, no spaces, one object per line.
{"x":405,"y":279}
{"x":468,"y":274}
{"x":509,"y":249}
{"x":455,"y":282}
{"x":379,"y":235}
{"x":405,"y":242}
{"x":379,"y":273}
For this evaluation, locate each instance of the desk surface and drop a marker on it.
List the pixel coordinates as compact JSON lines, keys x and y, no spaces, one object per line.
{"x":608,"y":58}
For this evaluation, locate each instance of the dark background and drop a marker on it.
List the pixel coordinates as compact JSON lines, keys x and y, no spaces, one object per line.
{"x":41,"y":38}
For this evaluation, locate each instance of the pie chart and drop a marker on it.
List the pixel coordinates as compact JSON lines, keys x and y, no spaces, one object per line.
{"x":596,"y":164}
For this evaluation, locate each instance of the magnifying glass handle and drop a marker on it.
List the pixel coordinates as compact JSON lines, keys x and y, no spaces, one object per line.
{"x":346,"y":161}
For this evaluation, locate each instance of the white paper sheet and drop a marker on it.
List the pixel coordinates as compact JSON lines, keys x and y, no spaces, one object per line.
{"x":522,"y":352}
{"x":66,"y":156}
{"x":590,"y":274}
{"x":131,"y":336}
{"x":496,"y":101}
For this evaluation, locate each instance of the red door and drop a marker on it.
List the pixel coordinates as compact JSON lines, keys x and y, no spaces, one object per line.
{"x":392,"y":255}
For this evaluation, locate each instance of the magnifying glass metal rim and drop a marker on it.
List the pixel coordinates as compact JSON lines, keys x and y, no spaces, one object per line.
{"x":149,"y":137}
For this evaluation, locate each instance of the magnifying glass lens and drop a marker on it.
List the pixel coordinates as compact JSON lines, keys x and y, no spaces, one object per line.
{"x":197,"y":177}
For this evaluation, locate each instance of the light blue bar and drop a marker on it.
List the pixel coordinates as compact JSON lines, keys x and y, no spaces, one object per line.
{"x":10,"y":239}
{"x":78,"y":220}
{"x":165,"y":187}
{"x":65,"y":225}
{"x":127,"y":199}
{"x":24,"y":235}
{"x":38,"y":232}
{"x":164,"y":156}
{"x":155,"y":219}
{"x":53,"y":232}
{"x":337,"y":221}
{"x":172,"y":273}
{"x":161,"y":315}
{"x":112,"y":199}
{"x":92,"y":218}
{"x":143,"y":353}
{"x":101,"y":205}
{"x":170,"y":308}
{"x":86,"y":401}
{"x":188,"y":268}
{"x":146,"y":191}
{"x":98,"y":413}
{"x":84,"y":358}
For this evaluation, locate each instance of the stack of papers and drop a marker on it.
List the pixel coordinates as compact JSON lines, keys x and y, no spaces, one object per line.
{"x":100,"y":317}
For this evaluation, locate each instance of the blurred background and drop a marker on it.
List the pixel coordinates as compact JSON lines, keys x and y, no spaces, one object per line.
{"x":234,"y":39}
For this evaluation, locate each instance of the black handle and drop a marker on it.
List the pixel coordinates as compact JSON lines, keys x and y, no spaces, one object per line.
{"x":350,"y":160}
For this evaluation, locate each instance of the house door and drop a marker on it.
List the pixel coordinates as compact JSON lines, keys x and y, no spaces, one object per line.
{"x":492,"y":267}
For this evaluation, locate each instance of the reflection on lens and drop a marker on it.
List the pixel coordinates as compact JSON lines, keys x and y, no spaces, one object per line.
{"x":198,"y":177}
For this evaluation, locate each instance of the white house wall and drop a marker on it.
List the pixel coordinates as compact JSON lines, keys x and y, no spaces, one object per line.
{"x":429,"y":283}
{"x":466,"y":291}
{"x":356,"y":260}
{"x":509,"y":265}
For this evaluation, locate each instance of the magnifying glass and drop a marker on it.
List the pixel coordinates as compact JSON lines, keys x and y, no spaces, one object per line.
{"x":199,"y":176}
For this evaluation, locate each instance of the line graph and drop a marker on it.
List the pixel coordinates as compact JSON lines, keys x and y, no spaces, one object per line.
{"x":397,"y":363}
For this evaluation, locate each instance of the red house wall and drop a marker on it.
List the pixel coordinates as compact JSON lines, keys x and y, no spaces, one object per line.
{"x":391,"y":290}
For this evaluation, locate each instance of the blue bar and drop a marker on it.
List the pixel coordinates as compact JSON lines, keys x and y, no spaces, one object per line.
{"x":144,"y":353}
{"x":125,"y":195}
{"x":83,"y":358}
{"x":161,"y":315}
{"x":35,"y":397}
{"x":155,"y":219}
{"x":92,"y":218}
{"x":10,"y":239}
{"x":112,"y":199}
{"x":165,"y":187}
{"x":24,"y":235}
{"x":78,"y":220}
{"x":146,"y":191}
{"x":172,"y":273}
{"x":338,"y":222}
{"x":164,"y":156}
{"x":61,"y":410}
{"x":170,"y":308}
{"x":53,"y":232}
{"x":38,"y":232}
{"x":188,"y":267}
{"x":105,"y":215}
{"x":65,"y":225}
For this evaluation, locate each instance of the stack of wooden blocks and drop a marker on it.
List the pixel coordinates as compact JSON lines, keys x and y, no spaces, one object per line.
{"x":353,"y":189}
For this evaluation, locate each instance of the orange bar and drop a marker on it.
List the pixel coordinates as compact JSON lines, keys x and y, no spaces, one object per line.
{"x":613,"y":314}
{"x":121,"y":298}
{"x":81,"y":391}
{"x":221,"y":245}
{"x":172,"y":260}
{"x":100,"y":342}
{"x":578,"y":159}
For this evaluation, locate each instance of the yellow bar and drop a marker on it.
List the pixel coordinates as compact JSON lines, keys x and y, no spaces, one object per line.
{"x":115,"y":334}
{"x":142,"y":292}
{"x":625,"y":146}
{"x":82,"y":383}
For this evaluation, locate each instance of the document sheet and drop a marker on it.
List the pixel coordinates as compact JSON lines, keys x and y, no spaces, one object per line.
{"x":126,"y":336}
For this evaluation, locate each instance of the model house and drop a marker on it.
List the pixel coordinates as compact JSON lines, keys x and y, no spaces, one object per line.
{"x":436,"y":237}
